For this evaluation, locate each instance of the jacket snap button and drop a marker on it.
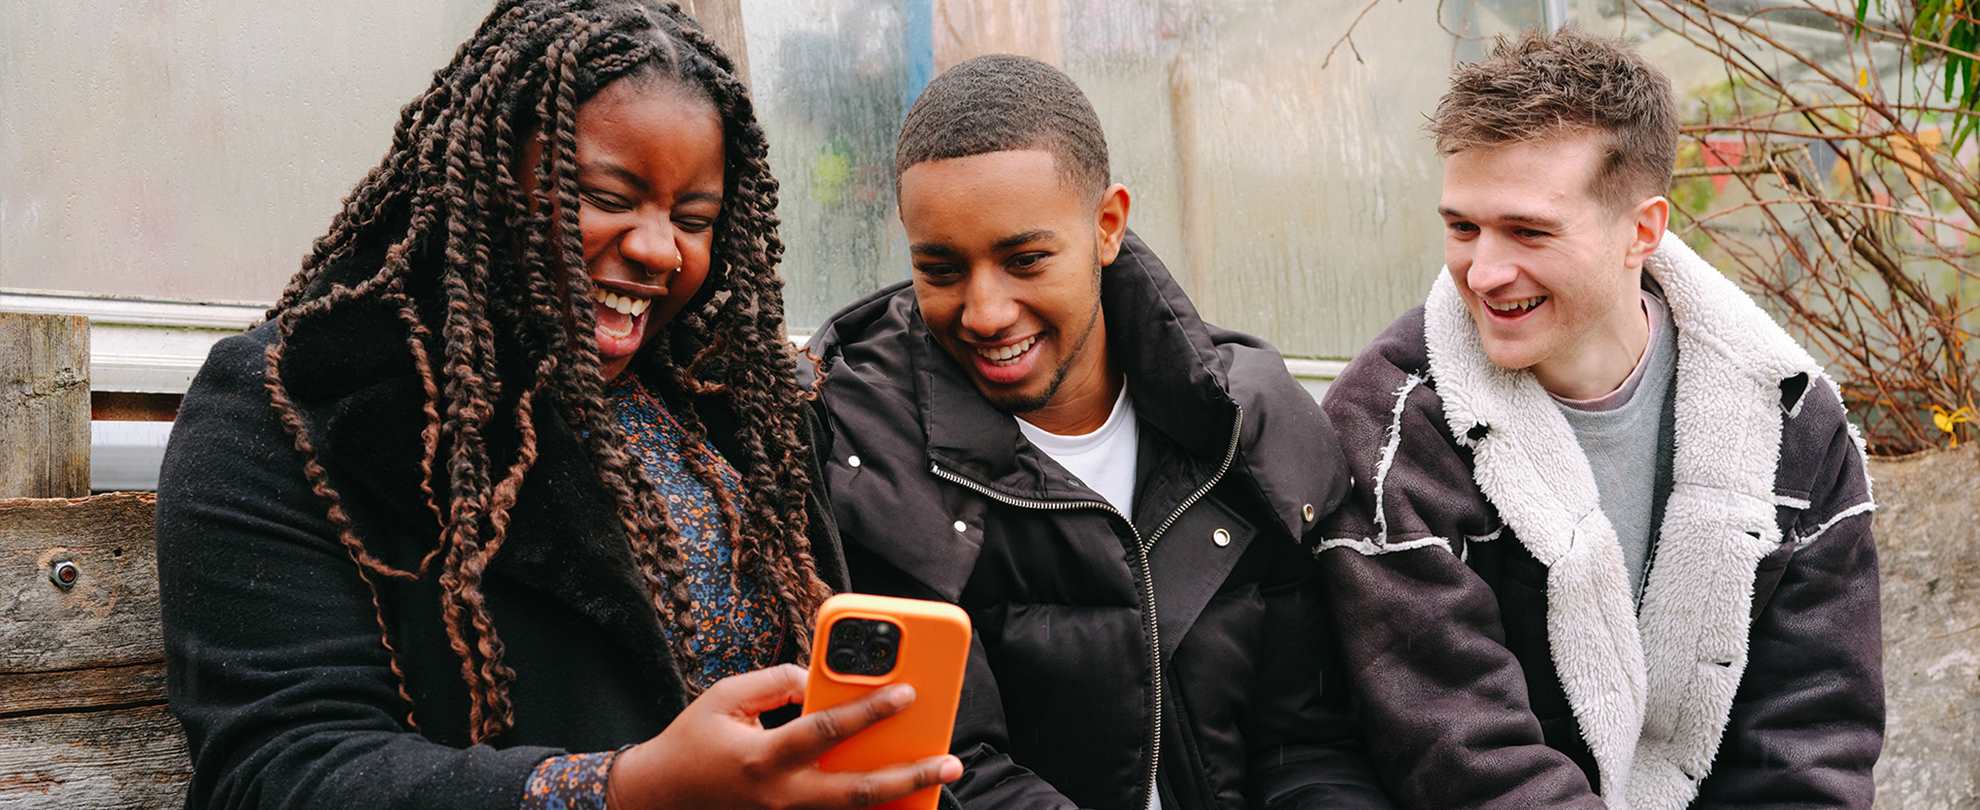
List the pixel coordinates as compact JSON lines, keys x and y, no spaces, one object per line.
{"x":852,"y":461}
{"x":961,"y":526}
{"x":1221,"y":538}
{"x":1307,"y":512}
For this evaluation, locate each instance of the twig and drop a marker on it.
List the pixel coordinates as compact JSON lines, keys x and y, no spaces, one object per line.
{"x":1348,"y":36}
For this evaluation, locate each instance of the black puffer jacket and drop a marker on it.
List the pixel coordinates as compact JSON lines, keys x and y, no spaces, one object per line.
{"x":1064,"y":694}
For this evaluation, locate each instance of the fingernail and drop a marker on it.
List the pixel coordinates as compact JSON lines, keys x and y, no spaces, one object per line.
{"x":900,"y":695}
{"x":951,"y":769}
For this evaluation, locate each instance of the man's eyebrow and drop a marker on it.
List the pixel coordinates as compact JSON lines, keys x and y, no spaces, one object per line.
{"x":1535,"y":220}
{"x":1033,"y":235}
{"x":945,"y":249}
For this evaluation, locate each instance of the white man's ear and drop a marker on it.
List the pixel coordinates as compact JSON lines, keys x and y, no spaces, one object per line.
{"x":1652,"y":218}
{"x":1111,"y":218}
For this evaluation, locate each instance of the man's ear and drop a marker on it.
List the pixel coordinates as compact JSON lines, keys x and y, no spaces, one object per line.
{"x":1110,"y":217}
{"x":1650,"y":219}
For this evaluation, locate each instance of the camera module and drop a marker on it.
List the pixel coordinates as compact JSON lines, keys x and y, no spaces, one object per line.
{"x":862,"y":647}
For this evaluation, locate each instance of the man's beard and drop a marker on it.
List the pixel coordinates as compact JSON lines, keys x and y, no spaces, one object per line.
{"x":1019,"y":405}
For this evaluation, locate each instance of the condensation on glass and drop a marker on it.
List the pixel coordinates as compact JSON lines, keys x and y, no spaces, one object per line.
{"x":193,"y":151}
{"x":1280,"y":171}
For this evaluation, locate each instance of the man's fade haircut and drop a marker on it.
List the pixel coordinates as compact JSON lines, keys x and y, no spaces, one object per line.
{"x":1002,"y":103}
{"x":1542,"y":85}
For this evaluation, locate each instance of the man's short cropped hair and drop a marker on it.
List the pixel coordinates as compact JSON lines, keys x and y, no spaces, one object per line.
{"x":1542,"y":85}
{"x":1002,"y":103}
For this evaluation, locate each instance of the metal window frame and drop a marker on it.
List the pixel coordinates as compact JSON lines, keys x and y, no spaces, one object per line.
{"x":156,"y":347}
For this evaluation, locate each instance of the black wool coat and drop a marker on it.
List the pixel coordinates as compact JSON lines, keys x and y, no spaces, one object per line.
{"x":274,"y":660}
{"x":1191,"y":631}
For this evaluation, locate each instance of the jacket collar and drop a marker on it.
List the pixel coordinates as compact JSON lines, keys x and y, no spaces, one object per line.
{"x":1189,"y":380}
{"x":1154,"y":336}
{"x":1650,"y":692}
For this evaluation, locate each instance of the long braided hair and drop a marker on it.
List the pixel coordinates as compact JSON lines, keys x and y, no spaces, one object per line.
{"x":445,"y":232}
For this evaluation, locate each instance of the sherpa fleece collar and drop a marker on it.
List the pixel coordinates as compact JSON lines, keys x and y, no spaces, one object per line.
{"x":1651,"y":692}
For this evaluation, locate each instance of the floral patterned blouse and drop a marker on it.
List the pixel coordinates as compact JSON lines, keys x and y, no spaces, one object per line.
{"x":737,"y":628}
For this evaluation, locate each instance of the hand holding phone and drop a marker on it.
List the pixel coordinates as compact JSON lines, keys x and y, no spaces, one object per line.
{"x":718,"y":754}
{"x":866,"y":645}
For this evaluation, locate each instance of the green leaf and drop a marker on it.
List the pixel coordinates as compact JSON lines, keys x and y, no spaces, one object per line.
{"x":1952,"y":68}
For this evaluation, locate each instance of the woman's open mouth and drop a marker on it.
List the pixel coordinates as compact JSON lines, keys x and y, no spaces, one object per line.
{"x":621,"y":317}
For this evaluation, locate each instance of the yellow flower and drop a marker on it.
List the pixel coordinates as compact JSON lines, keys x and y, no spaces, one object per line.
{"x":1948,"y":421}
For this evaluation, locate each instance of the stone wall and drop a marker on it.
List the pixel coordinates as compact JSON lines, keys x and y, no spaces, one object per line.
{"x":1928,"y":538}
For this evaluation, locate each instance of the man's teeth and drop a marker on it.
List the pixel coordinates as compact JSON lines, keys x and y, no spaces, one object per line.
{"x":623,"y":304}
{"x":1520,"y":305}
{"x":1005,"y":354}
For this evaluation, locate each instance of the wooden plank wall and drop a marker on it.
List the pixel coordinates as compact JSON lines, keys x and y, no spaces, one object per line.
{"x":82,"y":670}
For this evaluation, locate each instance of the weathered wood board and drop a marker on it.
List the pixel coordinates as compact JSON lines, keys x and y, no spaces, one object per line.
{"x":118,"y":758}
{"x":109,"y":616}
{"x":82,"y":669}
{"x":44,"y":406}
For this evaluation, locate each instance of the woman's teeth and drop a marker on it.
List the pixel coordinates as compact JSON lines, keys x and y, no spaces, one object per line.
{"x":1004,"y":355}
{"x":1520,"y":305}
{"x":623,"y":304}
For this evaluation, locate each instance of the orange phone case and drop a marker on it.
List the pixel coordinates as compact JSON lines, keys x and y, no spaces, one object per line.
{"x":934,"y":647}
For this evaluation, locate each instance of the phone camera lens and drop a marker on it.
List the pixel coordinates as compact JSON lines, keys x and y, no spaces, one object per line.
{"x":862,"y":647}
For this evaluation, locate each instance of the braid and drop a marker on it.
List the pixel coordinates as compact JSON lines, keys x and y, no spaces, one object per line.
{"x":751,"y":346}
{"x":486,"y":276}
{"x":653,"y":537}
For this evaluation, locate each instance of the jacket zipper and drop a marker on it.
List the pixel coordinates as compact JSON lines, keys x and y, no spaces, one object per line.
{"x":1142,"y":548}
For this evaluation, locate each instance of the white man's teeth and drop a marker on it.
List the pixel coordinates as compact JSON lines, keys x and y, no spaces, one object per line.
{"x":1520,"y":305}
{"x":1007,"y":354}
{"x":622,"y":304}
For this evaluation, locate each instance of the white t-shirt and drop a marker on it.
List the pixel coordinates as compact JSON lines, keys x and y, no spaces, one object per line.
{"x":1102,"y":460}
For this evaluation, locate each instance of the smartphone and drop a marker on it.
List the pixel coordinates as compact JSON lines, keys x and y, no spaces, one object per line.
{"x":864,"y":643}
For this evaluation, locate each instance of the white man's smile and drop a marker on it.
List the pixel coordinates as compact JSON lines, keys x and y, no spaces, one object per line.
{"x":1512,"y":309}
{"x":1516,"y":305}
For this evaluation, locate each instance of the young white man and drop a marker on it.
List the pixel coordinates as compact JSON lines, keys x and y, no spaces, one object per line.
{"x":1039,"y":428}
{"x":1609,"y":540}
